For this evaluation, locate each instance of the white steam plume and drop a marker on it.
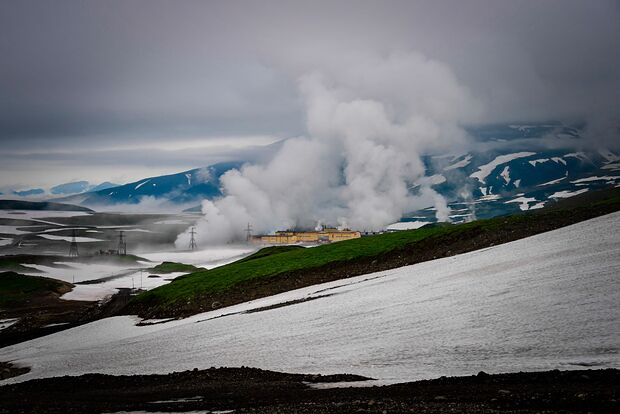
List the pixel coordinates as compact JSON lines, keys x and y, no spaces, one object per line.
{"x":368,"y":125}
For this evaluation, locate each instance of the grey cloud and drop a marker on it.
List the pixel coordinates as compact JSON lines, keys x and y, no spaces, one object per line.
{"x":91,"y":74}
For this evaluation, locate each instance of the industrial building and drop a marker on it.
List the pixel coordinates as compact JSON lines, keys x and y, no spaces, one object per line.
{"x":328,"y":235}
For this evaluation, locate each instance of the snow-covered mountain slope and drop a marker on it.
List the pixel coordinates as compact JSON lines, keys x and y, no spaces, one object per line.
{"x":544,"y":302}
{"x":183,"y":187}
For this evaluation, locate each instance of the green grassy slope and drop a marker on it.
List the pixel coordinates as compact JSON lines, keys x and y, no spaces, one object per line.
{"x":272,"y":262}
{"x":16,"y":288}
{"x":171,"y":267}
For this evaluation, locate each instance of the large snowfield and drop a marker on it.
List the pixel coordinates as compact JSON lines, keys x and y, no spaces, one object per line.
{"x":544,"y":302}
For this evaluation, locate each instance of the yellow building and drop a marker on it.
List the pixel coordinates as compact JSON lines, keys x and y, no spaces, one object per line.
{"x":294,"y":237}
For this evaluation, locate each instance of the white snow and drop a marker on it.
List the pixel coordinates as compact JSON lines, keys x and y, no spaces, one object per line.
{"x":484,"y":170}
{"x":578,"y":155}
{"x":517,"y":183}
{"x":505,"y":174}
{"x":436,"y":179}
{"x":524,"y":202}
{"x":407,"y":225}
{"x":567,"y":194}
{"x":553,"y":181}
{"x":12,"y":230}
{"x":171,"y":222}
{"x":543,"y":160}
{"x":612,"y":166}
{"x":35,"y":214}
{"x":189,"y":179}
{"x":608,"y":155}
{"x":141,"y":184}
{"x":5,"y":242}
{"x":69,"y":238}
{"x":538,"y":205}
{"x":539,"y":161}
{"x":489,"y":197}
{"x":5,"y":323}
{"x":589,"y":179}
{"x":209,"y":257}
{"x":89,"y":293}
{"x":548,"y":301}
{"x":463,"y":163}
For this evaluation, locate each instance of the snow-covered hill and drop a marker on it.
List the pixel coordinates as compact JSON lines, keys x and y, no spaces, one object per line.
{"x":544,"y":302}
{"x":187,"y":186}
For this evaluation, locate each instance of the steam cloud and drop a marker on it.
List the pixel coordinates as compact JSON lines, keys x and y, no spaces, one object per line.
{"x":368,"y":123}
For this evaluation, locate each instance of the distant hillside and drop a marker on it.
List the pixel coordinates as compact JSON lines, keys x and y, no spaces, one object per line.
{"x":508,"y":168}
{"x":78,"y":187}
{"x":40,"y":205}
{"x":183,"y":187}
{"x":31,"y":192}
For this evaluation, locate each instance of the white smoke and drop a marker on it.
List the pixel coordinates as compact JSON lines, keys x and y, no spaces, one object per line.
{"x":368,"y":125}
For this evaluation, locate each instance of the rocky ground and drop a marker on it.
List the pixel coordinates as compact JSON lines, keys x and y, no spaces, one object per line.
{"x":248,"y":390}
{"x":46,"y":313}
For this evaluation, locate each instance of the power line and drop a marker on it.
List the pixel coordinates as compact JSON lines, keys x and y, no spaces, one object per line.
{"x":248,"y":231}
{"x":192,"y":240}
{"x":122,"y":244}
{"x":73,"y":247}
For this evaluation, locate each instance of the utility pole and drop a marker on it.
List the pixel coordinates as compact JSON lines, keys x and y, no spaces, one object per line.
{"x":122,"y":244}
{"x":248,"y":233}
{"x":192,"y":240}
{"x":73,"y":248}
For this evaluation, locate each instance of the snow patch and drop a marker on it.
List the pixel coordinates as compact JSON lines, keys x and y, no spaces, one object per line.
{"x":463,"y":163}
{"x":140,"y":185}
{"x":484,"y":170}
{"x":567,"y":194}
{"x":505,"y":174}
{"x":524,"y":202}
{"x":407,"y":225}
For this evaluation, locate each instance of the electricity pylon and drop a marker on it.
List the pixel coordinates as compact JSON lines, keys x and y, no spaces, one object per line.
{"x":192,"y":240}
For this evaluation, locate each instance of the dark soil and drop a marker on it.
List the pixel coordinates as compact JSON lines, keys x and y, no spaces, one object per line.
{"x":8,"y":370}
{"x":40,"y":311}
{"x":247,"y":390}
{"x":563,"y":213}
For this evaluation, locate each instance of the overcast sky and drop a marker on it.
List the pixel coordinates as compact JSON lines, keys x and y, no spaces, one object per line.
{"x":119,"y":90}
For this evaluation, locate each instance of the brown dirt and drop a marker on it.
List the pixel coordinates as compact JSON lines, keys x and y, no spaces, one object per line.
{"x":247,"y":390}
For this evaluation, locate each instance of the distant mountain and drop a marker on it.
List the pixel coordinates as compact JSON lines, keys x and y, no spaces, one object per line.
{"x":184,"y":187}
{"x":70,"y":188}
{"x":518,"y":168}
{"x":510,"y":168}
{"x":31,"y":192}
{"x":78,"y":187}
{"x":43,"y":205}
{"x":103,"y":186}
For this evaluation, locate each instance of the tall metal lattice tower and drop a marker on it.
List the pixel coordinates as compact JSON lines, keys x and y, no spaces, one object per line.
{"x":73,"y":247}
{"x":192,"y":240}
{"x":122,"y":243}
{"x":248,"y":233}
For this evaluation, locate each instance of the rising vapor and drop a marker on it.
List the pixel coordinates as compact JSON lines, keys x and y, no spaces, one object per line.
{"x":368,"y":124}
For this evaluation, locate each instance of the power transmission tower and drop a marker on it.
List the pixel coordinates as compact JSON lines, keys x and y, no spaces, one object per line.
{"x":122,"y":244}
{"x":192,"y":240}
{"x":73,"y":247}
{"x":248,"y":233}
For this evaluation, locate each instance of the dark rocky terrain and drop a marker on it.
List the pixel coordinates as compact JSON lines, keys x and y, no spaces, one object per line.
{"x":249,"y":390}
